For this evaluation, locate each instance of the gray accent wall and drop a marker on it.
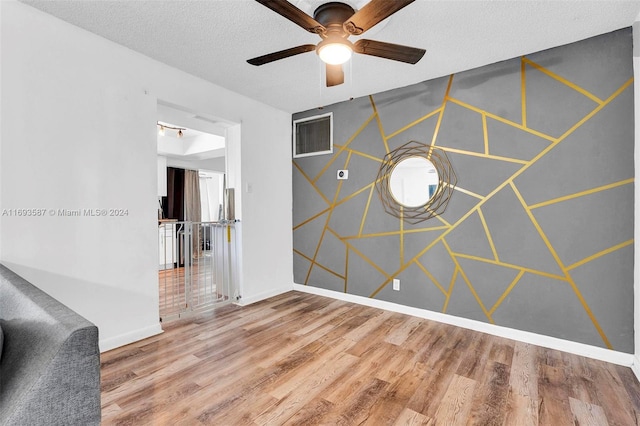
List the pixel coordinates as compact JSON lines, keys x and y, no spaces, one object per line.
{"x":538,"y":235}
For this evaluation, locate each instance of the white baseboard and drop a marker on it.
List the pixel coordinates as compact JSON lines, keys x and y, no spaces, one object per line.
{"x":130,"y":337}
{"x":636,"y":366}
{"x":264,"y":295}
{"x":589,"y":351}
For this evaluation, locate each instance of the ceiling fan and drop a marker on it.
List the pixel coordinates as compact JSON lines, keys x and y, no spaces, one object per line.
{"x":334,"y":22}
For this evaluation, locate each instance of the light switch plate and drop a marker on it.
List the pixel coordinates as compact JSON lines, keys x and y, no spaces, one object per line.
{"x":343,"y":174}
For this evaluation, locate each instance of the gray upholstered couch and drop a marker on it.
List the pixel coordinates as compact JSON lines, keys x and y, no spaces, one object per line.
{"x":49,"y":359}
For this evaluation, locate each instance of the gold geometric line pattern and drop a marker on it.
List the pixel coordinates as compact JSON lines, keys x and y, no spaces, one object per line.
{"x":488,"y":234}
{"x":444,"y":222}
{"x":442,"y":108}
{"x":332,"y":205}
{"x":418,"y":121}
{"x":326,"y":225}
{"x":503,"y":120}
{"x":483,"y":155}
{"x":346,"y":268}
{"x":466,"y":280}
{"x":562,"y":80}
{"x":506,"y":292}
{"x":454,"y":277}
{"x":311,"y":182}
{"x":592,"y":316}
{"x":343,"y":147}
{"x":511,"y":266}
{"x":518,"y":173}
{"x":561,"y":265}
{"x":392,"y":233}
{"x":377,"y":116}
{"x":485,"y":134}
{"x":366,"y":209}
{"x":600,"y":254}
{"x":319,"y":264}
{"x":354,"y":194}
{"x":360,"y":153}
{"x":598,"y":108}
{"x":431,"y":277}
{"x":315,"y":254}
{"x":359,"y":253}
{"x":448,"y":228}
{"x":401,"y":235}
{"x":311,"y":219}
{"x":582,"y":193}
{"x":466,"y":191}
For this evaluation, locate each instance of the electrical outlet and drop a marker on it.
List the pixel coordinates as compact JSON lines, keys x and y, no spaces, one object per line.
{"x":343,"y":174}
{"x":396,"y":284}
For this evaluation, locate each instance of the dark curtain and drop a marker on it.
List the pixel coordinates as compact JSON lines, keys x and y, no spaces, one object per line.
{"x":173,"y":203}
{"x":192,"y":208}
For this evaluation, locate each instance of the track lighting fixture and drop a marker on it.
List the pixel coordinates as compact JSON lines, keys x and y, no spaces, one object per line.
{"x":162,"y":128}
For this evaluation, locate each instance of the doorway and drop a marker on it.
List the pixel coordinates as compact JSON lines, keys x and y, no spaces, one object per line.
{"x":196,"y":246}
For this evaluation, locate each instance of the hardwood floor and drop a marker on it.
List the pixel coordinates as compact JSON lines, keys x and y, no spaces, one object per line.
{"x":206,"y":284}
{"x":302,"y":359}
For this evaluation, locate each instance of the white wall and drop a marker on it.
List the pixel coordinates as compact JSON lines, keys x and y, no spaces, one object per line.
{"x":79,"y":116}
{"x":211,"y":195}
{"x":215,"y":164}
{"x":162,"y":176}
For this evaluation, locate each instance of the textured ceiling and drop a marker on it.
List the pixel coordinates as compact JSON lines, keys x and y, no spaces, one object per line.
{"x":213,"y":40}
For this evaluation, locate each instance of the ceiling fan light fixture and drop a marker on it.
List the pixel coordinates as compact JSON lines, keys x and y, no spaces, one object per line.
{"x":335,"y":52}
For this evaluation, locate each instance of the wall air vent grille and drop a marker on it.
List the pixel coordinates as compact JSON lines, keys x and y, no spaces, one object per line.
{"x":313,"y":135}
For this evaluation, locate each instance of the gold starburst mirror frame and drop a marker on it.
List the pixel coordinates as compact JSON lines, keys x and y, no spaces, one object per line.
{"x":415,"y":182}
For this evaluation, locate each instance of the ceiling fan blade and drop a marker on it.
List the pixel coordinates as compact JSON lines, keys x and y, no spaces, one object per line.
{"x":295,"y":15}
{"x":265,"y":59}
{"x":397,"y":52}
{"x":335,"y":75}
{"x":372,"y":13}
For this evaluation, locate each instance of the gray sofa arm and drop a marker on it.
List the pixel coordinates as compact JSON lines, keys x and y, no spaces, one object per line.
{"x":50,"y":362}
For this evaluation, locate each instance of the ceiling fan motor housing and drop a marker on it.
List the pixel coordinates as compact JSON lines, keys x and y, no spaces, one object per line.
{"x":333,"y":14}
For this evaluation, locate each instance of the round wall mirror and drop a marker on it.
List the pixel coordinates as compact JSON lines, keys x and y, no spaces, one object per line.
{"x":413,"y":181}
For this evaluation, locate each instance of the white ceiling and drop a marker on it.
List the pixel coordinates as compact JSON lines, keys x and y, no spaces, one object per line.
{"x":213,"y":39}
{"x":202,"y":138}
{"x":193,"y":145}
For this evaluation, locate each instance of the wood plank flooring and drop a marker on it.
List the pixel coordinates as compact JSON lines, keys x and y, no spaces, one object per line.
{"x":300,"y":359}
{"x":206,"y":288}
